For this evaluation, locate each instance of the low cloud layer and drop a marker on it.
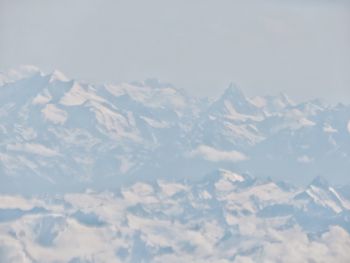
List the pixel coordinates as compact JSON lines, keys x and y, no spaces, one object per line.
{"x":214,"y":155}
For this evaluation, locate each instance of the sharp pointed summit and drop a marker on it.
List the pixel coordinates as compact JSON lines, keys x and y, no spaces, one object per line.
{"x":233,"y":91}
{"x":57,"y":75}
{"x":233,"y":99}
{"x":285,"y":99}
{"x":320,"y":182}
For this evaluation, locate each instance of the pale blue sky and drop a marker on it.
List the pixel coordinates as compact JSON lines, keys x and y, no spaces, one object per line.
{"x":265,"y":46}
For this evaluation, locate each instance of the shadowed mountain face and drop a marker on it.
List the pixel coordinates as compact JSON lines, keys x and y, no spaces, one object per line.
{"x":59,"y":134}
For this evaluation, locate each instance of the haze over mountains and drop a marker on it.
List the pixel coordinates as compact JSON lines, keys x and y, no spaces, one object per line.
{"x":143,"y":172}
{"x":62,"y":134}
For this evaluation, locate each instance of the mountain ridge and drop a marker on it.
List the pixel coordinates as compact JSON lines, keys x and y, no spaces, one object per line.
{"x":143,"y":172}
{"x":176,"y":220}
{"x":88,"y":134}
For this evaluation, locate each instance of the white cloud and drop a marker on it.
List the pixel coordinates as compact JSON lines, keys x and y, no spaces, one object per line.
{"x":214,"y":155}
{"x":329,"y":129}
{"x":304,"y":159}
{"x":32,"y":148}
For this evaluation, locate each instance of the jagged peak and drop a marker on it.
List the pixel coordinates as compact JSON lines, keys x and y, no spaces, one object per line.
{"x":57,"y":75}
{"x":218,"y":174}
{"x":233,"y":100}
{"x":233,"y":91}
{"x":320,"y":182}
{"x":286,"y":99}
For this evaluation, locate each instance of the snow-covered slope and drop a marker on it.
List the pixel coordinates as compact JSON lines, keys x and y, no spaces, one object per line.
{"x":225,"y":217}
{"x":143,"y":172}
{"x":62,"y":134}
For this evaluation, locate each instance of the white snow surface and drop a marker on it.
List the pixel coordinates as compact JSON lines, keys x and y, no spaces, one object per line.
{"x":169,"y":221}
{"x":54,"y":114}
{"x":143,"y":172}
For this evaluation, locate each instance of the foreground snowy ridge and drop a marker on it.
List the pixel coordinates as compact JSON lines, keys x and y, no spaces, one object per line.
{"x":226,"y":217}
{"x":59,"y":134}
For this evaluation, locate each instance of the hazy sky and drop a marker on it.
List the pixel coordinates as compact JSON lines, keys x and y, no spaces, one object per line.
{"x":301,"y":47}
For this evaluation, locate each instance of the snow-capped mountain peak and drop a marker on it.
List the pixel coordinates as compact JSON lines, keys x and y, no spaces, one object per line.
{"x":125,"y":131}
{"x":21,"y":72}
{"x":142,"y":172}
{"x":320,"y":182}
{"x":57,"y":75}
{"x":234,"y":92}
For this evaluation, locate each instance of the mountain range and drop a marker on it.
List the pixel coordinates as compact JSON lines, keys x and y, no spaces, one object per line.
{"x":61,"y":134}
{"x":223,"y":217}
{"x":143,"y":172}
